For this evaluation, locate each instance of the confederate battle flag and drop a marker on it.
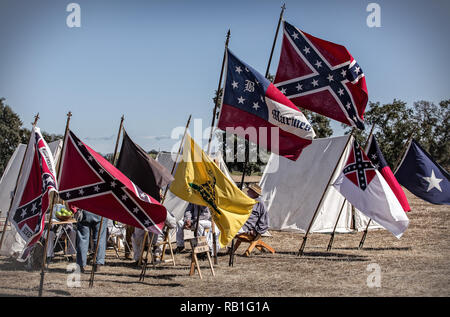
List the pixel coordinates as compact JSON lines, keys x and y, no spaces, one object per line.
{"x":31,"y":200}
{"x":321,"y":76}
{"x":88,"y":181}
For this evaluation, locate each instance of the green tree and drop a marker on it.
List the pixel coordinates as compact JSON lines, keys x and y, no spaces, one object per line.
{"x":395,"y":122}
{"x":10,"y":133}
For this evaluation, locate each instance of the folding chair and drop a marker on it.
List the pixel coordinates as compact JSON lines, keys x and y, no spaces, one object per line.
{"x":255,"y":242}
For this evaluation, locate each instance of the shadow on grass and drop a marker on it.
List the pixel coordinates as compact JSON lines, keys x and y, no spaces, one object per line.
{"x":377,"y":249}
{"x":35,"y":289}
{"x":328,"y":256}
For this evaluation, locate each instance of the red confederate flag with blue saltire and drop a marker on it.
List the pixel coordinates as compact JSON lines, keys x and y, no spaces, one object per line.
{"x":255,"y":109}
{"x":321,"y":76}
{"x":377,"y":158}
{"x":88,"y":181}
{"x":32,"y":198}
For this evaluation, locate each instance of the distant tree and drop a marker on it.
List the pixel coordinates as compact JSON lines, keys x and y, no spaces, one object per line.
{"x":395,"y":122}
{"x":10,"y":133}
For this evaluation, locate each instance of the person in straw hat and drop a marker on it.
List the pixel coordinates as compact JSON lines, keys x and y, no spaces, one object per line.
{"x":258,"y":222}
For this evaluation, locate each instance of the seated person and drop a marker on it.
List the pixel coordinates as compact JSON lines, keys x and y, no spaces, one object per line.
{"x":189,"y":222}
{"x":258,"y":222}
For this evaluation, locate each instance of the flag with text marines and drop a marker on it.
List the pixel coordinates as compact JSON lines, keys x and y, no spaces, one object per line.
{"x":255,"y":109}
{"x":321,"y":76}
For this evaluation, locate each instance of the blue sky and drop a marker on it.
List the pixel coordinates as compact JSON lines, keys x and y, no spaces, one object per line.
{"x":156,"y":62}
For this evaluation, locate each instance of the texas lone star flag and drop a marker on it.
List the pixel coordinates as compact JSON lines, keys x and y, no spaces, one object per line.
{"x":255,"y":109}
{"x":366,"y":189}
{"x":88,"y":181}
{"x":31,"y":201}
{"x":198,"y":180}
{"x":321,"y":76}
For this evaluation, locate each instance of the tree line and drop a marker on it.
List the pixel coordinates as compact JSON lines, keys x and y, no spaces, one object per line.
{"x":395,"y":122}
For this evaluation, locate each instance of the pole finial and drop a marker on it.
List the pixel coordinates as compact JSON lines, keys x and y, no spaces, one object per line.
{"x":69,"y":114}
{"x":283,"y":6}
{"x":36,"y":118}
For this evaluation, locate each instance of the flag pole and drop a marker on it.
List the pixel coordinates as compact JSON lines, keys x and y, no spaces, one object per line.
{"x":275,"y":39}
{"x":113,"y":162}
{"x":213,"y":228}
{"x":364,"y":236}
{"x":36,"y":118}
{"x":218,"y":90}
{"x":300,"y":251}
{"x":330,"y":244}
{"x":49,"y":226}
{"x":247,"y":148}
{"x":144,"y":263}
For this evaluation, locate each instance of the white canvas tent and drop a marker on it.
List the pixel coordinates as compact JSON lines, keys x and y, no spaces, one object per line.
{"x":292,"y":190}
{"x":13,"y":243}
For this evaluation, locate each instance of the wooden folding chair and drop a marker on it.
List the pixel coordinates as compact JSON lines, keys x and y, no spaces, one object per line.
{"x":166,"y":242}
{"x":255,"y":242}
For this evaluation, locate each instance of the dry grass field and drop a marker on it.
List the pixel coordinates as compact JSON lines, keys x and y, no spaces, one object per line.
{"x":416,"y":265}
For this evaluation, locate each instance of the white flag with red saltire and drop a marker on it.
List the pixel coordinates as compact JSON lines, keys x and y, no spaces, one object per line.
{"x":88,"y":181}
{"x":367,"y":190}
{"x":31,"y":201}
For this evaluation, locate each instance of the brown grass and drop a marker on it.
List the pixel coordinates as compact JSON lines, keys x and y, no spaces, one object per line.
{"x":416,"y":265}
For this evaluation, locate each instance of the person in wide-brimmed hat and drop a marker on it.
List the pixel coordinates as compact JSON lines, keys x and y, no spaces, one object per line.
{"x":258,"y":222}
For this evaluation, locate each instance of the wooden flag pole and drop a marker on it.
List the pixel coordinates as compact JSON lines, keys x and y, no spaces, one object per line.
{"x":213,"y":227}
{"x":275,"y":39}
{"x":330,"y":244}
{"x":364,"y":236}
{"x":247,"y":147}
{"x":36,"y":118}
{"x":113,"y":162}
{"x":218,"y":90}
{"x":302,"y":248}
{"x":144,"y":263}
{"x":58,"y":172}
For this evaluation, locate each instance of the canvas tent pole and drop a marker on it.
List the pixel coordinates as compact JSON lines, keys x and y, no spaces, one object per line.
{"x":330,"y":244}
{"x":405,"y":147}
{"x":144,"y":263}
{"x":113,"y":162}
{"x":58,"y":172}
{"x":275,"y":38}
{"x":36,"y":118}
{"x":300,"y":251}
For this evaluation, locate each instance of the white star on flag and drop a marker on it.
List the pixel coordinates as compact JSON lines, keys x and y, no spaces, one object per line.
{"x":234,"y":84}
{"x":433,"y":182}
{"x":24,"y":213}
{"x":341,"y":92}
{"x":318,"y":64}
{"x":33,"y":208}
{"x":135,"y":210}
{"x":299,"y":87}
{"x":330,"y":78}
{"x":255,"y":105}
{"x":241,"y":99}
{"x":306,"y":50}
{"x":124,"y":197}
{"x":81,"y":191}
{"x":238,"y":69}
{"x":283,"y":91}
{"x":344,"y":73}
{"x":295,"y":36}
{"x":96,"y":188}
{"x":315,"y":83}
{"x":113,"y":184}
{"x":357,"y":70}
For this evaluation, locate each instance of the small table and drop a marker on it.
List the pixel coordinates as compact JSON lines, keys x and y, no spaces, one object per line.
{"x":62,"y":225}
